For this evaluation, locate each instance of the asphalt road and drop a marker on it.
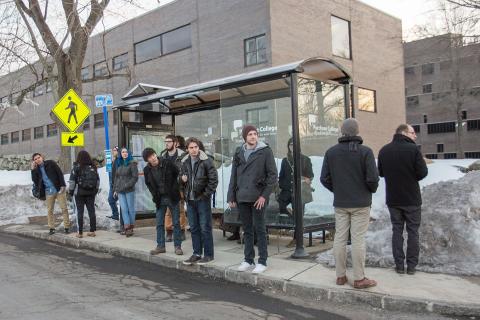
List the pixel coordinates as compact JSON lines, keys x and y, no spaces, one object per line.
{"x":41,"y":280}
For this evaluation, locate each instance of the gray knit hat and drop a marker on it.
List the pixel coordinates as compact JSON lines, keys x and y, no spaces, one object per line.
{"x":350,"y":127}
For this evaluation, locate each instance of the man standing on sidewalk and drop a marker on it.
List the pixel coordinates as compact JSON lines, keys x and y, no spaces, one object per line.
{"x":175,"y":155}
{"x":50,"y":184}
{"x":350,"y":172}
{"x":200,"y":179}
{"x":161,"y":178}
{"x":254,"y":174}
{"x":402,"y":165}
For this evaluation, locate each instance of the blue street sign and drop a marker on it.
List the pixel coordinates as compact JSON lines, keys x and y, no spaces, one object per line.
{"x":103,"y":100}
{"x":109,"y":100}
{"x":108,"y":160}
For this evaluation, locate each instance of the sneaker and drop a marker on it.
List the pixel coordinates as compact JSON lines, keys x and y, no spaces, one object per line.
{"x":51,"y":232}
{"x":67,"y":231}
{"x":260,"y":268}
{"x":184,"y":237}
{"x":91,"y":234}
{"x":193,"y":259}
{"x":157,"y":250}
{"x":400,"y":269}
{"x":342,"y":280}
{"x":178,"y":251}
{"x":245,"y":266}
{"x":204,"y":261}
{"x":364,"y":283}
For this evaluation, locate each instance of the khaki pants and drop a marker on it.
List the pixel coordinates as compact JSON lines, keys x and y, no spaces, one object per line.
{"x":62,"y":202}
{"x":356,"y":221}
{"x":183,"y":218}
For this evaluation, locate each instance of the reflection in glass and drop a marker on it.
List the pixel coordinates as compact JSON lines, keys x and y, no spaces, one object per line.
{"x":366,"y":100}
{"x":341,"y":38}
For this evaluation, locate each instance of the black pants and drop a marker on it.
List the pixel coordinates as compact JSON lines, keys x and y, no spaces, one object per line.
{"x":89,"y":202}
{"x":411,"y":217}
{"x":253,"y":218}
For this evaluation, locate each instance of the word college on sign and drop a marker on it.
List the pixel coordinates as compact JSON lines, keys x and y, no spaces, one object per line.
{"x":72,"y":112}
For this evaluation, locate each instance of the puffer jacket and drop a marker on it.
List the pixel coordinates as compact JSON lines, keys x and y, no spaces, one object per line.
{"x":125,"y":178}
{"x":202,"y":180}
{"x":253,"y":178}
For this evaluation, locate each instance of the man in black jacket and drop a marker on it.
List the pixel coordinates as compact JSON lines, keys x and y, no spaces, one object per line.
{"x":48,"y":179}
{"x":402,"y":165}
{"x":349,"y":171}
{"x":161,"y":178}
{"x":254,"y":174}
{"x":200,"y":179}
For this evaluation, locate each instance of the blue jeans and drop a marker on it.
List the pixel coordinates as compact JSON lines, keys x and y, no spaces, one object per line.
{"x":174,"y":207}
{"x":113,"y":203}
{"x":127,"y":204}
{"x":200,"y":221}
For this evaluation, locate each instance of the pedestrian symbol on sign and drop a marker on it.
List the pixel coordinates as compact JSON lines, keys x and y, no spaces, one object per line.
{"x":73,"y":110}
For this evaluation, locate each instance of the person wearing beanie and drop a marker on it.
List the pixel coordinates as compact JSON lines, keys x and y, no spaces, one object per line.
{"x":350,"y":172}
{"x":161,"y":178}
{"x":254,"y":174}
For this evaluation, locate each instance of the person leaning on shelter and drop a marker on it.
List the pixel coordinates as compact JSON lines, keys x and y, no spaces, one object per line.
{"x":126,"y":177}
{"x":84,"y":183}
{"x":200,"y":179}
{"x":112,"y":201}
{"x":49,"y":184}
{"x":350,"y":172}
{"x":402,"y":165}
{"x":161,"y":178}
{"x":254,"y":174}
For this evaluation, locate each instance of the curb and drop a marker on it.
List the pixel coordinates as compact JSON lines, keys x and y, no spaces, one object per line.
{"x":287,"y":287}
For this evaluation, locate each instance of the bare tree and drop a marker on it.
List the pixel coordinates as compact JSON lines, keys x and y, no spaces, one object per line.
{"x":472,"y":4}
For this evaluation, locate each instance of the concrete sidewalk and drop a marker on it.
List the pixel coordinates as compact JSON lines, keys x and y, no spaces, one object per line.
{"x":424,"y":292}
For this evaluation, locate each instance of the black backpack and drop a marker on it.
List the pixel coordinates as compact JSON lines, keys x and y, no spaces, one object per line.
{"x":87,"y":178}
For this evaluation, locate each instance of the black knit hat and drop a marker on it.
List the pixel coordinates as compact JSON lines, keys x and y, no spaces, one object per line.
{"x":147,"y":152}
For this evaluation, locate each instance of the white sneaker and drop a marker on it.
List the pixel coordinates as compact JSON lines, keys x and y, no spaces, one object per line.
{"x":259,"y":268}
{"x":245,"y":266}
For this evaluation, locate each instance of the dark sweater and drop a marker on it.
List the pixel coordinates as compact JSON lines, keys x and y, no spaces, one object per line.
{"x":402,"y":165}
{"x":349,"y":171}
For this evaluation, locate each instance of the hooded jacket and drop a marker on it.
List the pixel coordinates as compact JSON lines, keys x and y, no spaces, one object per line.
{"x":402,"y":165}
{"x":202,"y":179}
{"x":252,"y":177}
{"x":285,"y":178}
{"x":126,"y":176}
{"x":162,"y":180}
{"x":350,"y":172}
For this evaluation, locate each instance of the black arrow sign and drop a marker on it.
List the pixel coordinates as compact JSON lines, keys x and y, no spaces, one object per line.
{"x":72,"y":139}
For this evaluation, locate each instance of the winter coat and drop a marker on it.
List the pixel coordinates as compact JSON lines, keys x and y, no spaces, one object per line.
{"x":253,"y":178}
{"x":178,"y":161}
{"x":125,"y":178}
{"x":350,"y":172}
{"x":285,"y":178}
{"x":402,"y":165}
{"x":162,"y":180}
{"x":54,"y":173}
{"x":74,"y":186}
{"x":204,"y":177}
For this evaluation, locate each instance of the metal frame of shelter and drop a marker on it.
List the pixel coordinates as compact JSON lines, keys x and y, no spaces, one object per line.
{"x":207,"y":95}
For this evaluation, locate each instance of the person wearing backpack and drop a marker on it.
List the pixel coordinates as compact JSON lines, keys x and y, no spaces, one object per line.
{"x":84,"y":183}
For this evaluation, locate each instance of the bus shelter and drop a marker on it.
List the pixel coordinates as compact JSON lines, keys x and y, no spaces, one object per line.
{"x":297,"y":108}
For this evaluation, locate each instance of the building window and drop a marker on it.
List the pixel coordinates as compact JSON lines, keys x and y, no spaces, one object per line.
{"x":450,"y":155}
{"x":439,"y":147}
{"x":472,"y":155}
{"x":440,"y":95}
{"x":38,"y":132}
{"x":428,"y":68}
{"x":367,"y":100}
{"x":84,"y":73}
{"x":120,"y":62}
{"x":26,"y":134}
{"x":4,"y":139}
{"x":98,"y":120}
{"x":38,"y":91}
{"x":427,"y":88}
{"x":416,"y":127}
{"x":255,"y":50}
{"x":176,"y":40}
{"x":442,"y":127}
{"x":425,"y":118}
{"x":475,"y":92}
{"x":258,"y":117}
{"x":52,"y":130}
{"x":464,"y":114}
{"x":100,"y":69}
{"x":148,"y":49}
{"x":86,"y":124}
{"x":473,"y":124}
{"x":15,"y":136}
{"x":341,"y":38}
{"x":431,"y":156}
{"x":409,"y":70}
{"x":412,"y":101}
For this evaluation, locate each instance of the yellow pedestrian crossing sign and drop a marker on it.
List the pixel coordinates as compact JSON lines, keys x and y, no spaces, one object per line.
{"x":73,"y":139}
{"x":71,"y":110}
